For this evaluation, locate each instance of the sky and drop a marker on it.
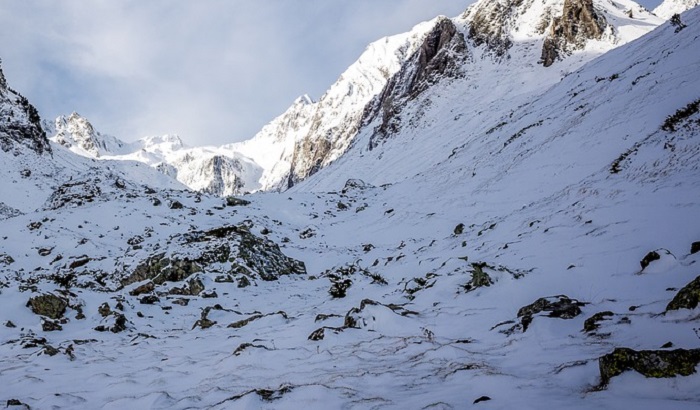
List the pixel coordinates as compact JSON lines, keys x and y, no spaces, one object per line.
{"x":211,"y":71}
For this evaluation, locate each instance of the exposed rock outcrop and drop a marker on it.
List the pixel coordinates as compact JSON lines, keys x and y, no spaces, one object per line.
{"x":19,"y":121}
{"x":579,"y":23}
{"x":440,"y":56}
{"x":650,"y":363}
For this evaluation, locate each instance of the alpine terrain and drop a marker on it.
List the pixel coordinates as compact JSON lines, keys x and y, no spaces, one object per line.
{"x":497,"y":210}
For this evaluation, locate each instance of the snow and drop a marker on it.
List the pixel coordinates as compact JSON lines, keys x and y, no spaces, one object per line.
{"x":670,"y":7}
{"x":524,"y":164}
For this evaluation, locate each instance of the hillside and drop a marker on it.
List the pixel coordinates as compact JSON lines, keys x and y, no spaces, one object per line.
{"x":491,"y":238}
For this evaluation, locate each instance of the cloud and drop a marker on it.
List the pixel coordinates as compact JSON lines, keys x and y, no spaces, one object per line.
{"x":213,"y":71}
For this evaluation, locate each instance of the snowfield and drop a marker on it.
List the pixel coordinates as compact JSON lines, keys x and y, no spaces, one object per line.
{"x":498,"y":251}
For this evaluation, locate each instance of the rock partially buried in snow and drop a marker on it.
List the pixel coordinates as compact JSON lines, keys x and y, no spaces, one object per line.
{"x":560,"y":306}
{"x":658,"y":261}
{"x":650,"y":363}
{"x":686,"y":298}
{"x":48,"y":305}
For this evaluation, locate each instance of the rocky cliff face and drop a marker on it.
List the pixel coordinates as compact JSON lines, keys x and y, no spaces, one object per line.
{"x":578,"y":23}
{"x":75,"y":132}
{"x":440,"y":56}
{"x":19,"y":121}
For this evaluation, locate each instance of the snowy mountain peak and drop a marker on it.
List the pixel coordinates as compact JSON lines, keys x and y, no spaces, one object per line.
{"x":76,"y":133}
{"x":303,"y":100}
{"x":670,"y":7}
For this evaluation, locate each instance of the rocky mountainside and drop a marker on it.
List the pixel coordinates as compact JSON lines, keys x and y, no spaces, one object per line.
{"x":530,"y":243}
{"x":517,"y":47}
{"x":492,"y":37}
{"x":21,"y":124}
{"x":77,"y":134}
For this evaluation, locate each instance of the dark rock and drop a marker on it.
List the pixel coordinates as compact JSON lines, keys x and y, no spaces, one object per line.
{"x":6,"y":259}
{"x":15,"y":402}
{"x":175,"y":205}
{"x":233,"y":201}
{"x":317,"y":334}
{"x":243,"y":346}
{"x":119,"y":323}
{"x":79,"y":261}
{"x":694,"y":247}
{"x":649,"y":258}
{"x":45,"y":251}
{"x":591,"y":323}
{"x":239,"y":324}
{"x":209,"y":294}
{"x":367,"y":247}
{"x":667,"y":345}
{"x":104,"y":310}
{"x":149,"y":300}
{"x":48,"y":305}
{"x":482,"y":398}
{"x":34,"y":225}
{"x":650,"y":363}
{"x":558,"y":307}
{"x":686,"y":298}
{"x":204,"y":322}
{"x":50,"y":350}
{"x":459,"y":229}
{"x":243,"y":282}
{"x":10,"y":324}
{"x":322,"y":316}
{"x":355,"y":185}
{"x":224,"y":279}
{"x":147,"y":287}
{"x":307,"y":233}
{"x":156,"y":202}
{"x":50,"y":325}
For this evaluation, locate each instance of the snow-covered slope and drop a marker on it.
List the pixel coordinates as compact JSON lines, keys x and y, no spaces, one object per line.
{"x":505,"y":46}
{"x":539,"y":253}
{"x":670,"y":7}
{"x":498,"y":47}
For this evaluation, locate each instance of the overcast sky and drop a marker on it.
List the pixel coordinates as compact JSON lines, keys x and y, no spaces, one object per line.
{"x":212,"y":71}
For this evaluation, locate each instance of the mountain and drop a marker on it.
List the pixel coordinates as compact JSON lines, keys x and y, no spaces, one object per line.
{"x":509,"y":240}
{"x":670,"y":7}
{"x":77,"y":134}
{"x":211,"y":170}
{"x":21,"y":124}
{"x":492,"y":42}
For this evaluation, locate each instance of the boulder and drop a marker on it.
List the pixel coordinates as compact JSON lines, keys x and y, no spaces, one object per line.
{"x":560,"y":306}
{"x":48,"y":305}
{"x":686,"y":298}
{"x":650,"y":363}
